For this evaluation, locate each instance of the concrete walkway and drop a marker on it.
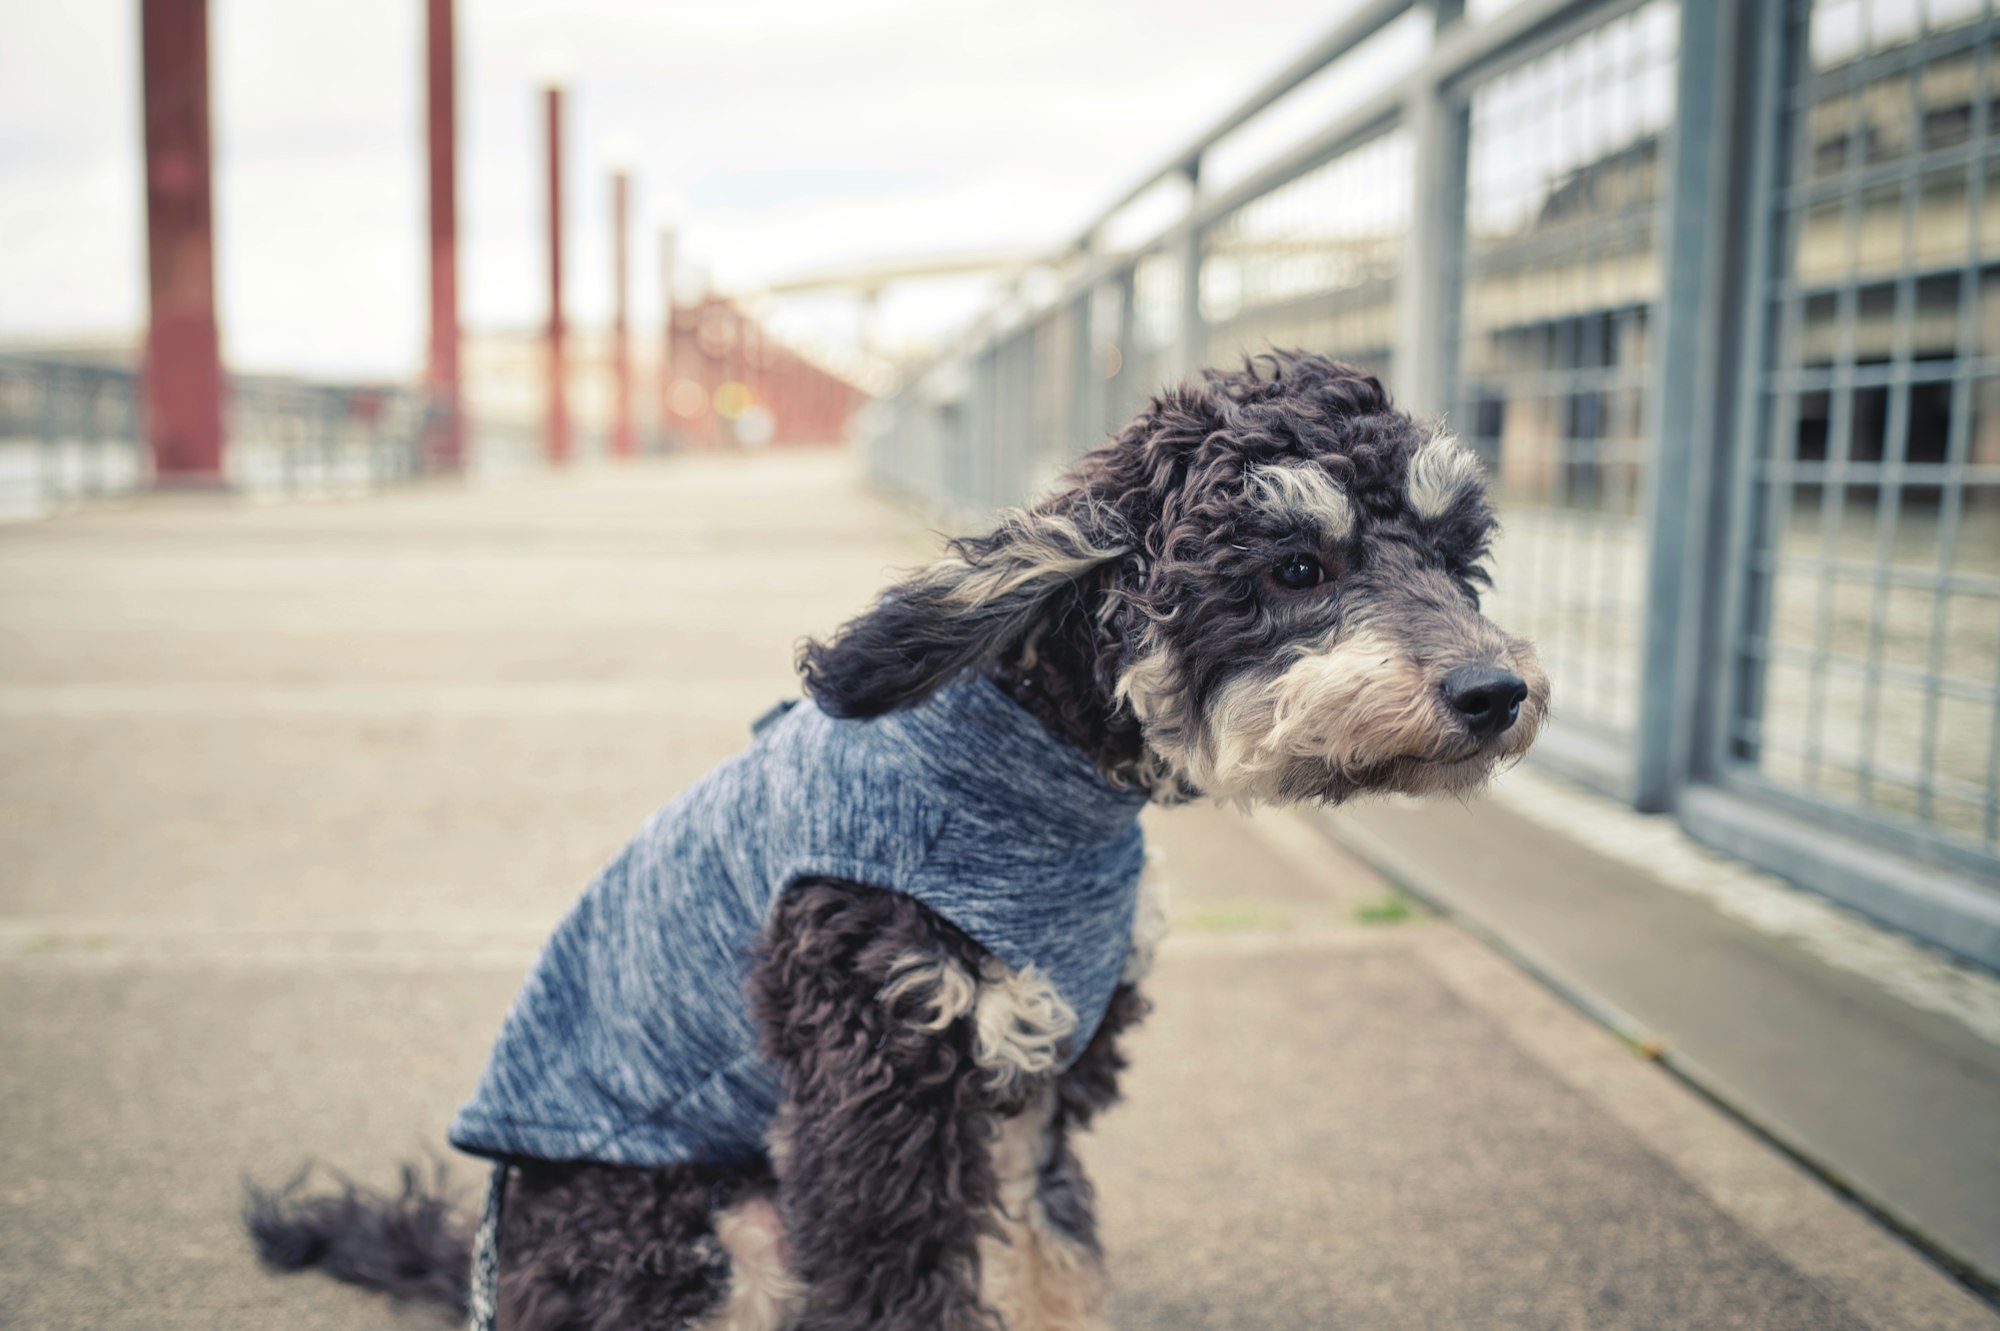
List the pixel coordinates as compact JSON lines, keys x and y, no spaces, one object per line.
{"x":1860,"y":1051}
{"x":289,"y":795}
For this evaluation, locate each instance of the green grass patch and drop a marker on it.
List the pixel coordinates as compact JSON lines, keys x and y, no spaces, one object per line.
{"x":1394,"y":908}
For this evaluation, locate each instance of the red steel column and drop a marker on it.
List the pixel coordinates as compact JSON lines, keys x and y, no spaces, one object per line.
{"x":733,"y":368}
{"x":685,"y":357}
{"x":710,"y":329}
{"x":447,"y":443}
{"x":558,"y":363}
{"x":667,"y":355}
{"x":783,"y":369}
{"x":183,"y":354}
{"x":623,"y":443}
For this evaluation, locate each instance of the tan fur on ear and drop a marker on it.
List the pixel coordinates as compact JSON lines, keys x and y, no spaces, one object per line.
{"x":965,"y":610}
{"x":1441,"y":472}
{"x":1028,"y":550}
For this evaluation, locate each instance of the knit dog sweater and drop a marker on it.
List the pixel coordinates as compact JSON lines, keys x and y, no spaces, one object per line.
{"x":631,"y":1043}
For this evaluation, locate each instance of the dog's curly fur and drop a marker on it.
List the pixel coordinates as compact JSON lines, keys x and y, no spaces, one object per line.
{"x":887,"y":1185}
{"x":603,"y":1245}
{"x":1119,"y":608}
{"x":1262,"y":590}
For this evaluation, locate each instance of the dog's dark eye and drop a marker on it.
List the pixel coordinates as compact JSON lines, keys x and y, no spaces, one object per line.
{"x":1298,"y":572}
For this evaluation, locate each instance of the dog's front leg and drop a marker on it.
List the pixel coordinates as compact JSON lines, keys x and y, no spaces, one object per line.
{"x":885,"y":1146}
{"x":1064,"y":1218}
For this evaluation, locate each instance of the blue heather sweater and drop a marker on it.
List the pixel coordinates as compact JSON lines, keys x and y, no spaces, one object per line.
{"x":631,"y":1044}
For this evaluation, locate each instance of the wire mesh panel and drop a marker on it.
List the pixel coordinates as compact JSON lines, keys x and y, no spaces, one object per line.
{"x":1313,"y":263}
{"x":1560,"y":275}
{"x":1031,"y":409}
{"x":1102,"y":313}
{"x":1051,"y":412}
{"x":1873,"y":639}
{"x":1153,"y":332}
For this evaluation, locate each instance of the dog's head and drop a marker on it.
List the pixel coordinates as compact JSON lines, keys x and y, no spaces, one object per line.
{"x":1265,"y":589}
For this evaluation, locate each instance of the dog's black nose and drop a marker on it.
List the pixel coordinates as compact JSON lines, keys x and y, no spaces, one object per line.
{"x":1488,"y":697}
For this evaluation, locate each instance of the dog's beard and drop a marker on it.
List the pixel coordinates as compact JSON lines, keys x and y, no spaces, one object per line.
{"x":1360,"y":718}
{"x":1311,"y":781}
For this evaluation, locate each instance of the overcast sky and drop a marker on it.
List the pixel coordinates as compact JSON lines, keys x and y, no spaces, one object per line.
{"x":792,"y":136}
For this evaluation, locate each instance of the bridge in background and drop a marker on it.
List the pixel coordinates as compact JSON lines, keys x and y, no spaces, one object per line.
{"x":166,"y":415}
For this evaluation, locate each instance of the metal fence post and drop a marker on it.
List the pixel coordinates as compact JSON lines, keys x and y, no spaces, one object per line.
{"x":49,"y":426}
{"x":1424,"y":285}
{"x":1083,"y":423}
{"x":1760,"y":75}
{"x":1681,"y":412}
{"x":1119,"y":393}
{"x":1192,"y":347}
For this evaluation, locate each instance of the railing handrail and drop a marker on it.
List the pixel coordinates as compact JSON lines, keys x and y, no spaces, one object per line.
{"x":1456,"y":52}
{"x":236,"y":380}
{"x":1367,"y":19}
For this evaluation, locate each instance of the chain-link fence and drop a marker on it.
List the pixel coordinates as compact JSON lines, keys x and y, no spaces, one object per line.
{"x":1714,"y":290}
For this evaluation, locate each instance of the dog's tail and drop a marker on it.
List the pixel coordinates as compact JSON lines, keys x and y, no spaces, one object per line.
{"x":411,"y":1244}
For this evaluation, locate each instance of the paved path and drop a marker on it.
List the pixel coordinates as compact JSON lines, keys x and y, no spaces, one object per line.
{"x":289,"y":794}
{"x":1875,"y":1058}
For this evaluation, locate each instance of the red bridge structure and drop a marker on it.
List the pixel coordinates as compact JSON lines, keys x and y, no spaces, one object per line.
{"x":723,"y":380}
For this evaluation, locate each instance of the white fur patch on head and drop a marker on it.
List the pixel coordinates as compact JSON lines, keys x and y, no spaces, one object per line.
{"x":1442,"y":470}
{"x":1304,"y":496}
{"x":941,"y":984}
{"x":1020,"y":1021}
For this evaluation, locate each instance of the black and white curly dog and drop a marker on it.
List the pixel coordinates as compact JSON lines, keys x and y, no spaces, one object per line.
{"x":1264,"y":590}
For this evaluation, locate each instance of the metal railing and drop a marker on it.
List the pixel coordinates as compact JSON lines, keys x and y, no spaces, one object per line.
{"x":69,"y":430}
{"x":72,"y":430}
{"x":1713,"y":289}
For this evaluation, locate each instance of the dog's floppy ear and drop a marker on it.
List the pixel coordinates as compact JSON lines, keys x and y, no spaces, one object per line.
{"x":965,"y":610}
